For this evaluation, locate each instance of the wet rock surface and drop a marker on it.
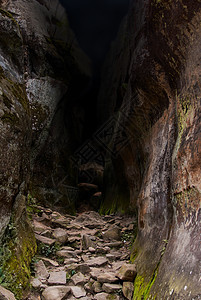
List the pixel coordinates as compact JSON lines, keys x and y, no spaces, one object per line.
{"x":91,"y":266}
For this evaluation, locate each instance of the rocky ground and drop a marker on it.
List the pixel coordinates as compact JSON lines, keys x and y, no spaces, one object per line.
{"x":82,"y":257}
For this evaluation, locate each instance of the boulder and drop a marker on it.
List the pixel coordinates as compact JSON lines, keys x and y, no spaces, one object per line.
{"x":127,"y":272}
{"x":60,"y":235}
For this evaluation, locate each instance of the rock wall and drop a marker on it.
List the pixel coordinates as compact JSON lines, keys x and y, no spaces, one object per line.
{"x":153,"y":86}
{"x":41,"y":71}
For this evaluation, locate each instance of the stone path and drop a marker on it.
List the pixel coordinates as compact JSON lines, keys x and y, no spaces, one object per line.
{"x":82,"y":257}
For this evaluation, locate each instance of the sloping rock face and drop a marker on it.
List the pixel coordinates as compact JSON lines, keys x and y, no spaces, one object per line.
{"x":153,"y":93}
{"x":41,"y":70}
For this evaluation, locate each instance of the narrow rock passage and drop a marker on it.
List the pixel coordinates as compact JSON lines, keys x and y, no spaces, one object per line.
{"x":82,"y":257}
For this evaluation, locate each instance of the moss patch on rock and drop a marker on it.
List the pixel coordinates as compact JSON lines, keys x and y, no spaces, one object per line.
{"x":17,"y":250}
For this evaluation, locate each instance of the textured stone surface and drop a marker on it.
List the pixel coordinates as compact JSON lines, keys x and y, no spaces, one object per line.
{"x":128,"y":290}
{"x":152,"y":79}
{"x":56,"y":292}
{"x":37,"y":69}
{"x":78,"y":292}
{"x":6,"y":295}
{"x":57,"y":278}
{"x":127,"y":272}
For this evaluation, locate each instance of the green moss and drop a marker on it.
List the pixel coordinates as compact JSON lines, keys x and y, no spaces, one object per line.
{"x":142,"y":289}
{"x":16,"y":251}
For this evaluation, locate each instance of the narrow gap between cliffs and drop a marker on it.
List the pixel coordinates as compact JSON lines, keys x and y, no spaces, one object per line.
{"x":95,"y":24}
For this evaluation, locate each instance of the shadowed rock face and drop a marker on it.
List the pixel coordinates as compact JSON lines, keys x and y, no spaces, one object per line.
{"x":41,"y":71}
{"x":40,"y":66}
{"x":153,"y":80}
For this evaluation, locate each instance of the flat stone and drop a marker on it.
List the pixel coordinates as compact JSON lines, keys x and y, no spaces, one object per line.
{"x":63,"y":222}
{"x":60,"y":235}
{"x":56,"y":292}
{"x":67,"y":248}
{"x":117,"y":265}
{"x":127,"y":272}
{"x":114,"y":244}
{"x":111,"y":288}
{"x":92,"y":250}
{"x":45,"y":240}
{"x":66,"y":253}
{"x":112,"y":257}
{"x":50,"y":261}
{"x":79,"y":279}
{"x":97,"y":262}
{"x":107,"y":278}
{"x":57,"y":278}
{"x":78,"y":292}
{"x":40,"y":270}
{"x":69,"y":261}
{"x":95,"y":272}
{"x":128,"y":289}
{"x":6,"y":295}
{"x":104,"y":296}
{"x":39,"y":227}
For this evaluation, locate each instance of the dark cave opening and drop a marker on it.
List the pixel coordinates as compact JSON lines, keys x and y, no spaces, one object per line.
{"x":95,"y":24}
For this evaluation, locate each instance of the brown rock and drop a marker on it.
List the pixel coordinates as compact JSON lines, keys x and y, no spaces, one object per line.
{"x":128,"y":288}
{"x":40,"y":270}
{"x":111,"y":288}
{"x":60,"y":235}
{"x":107,"y":278}
{"x":97,"y":262}
{"x":56,"y":292}
{"x":78,"y":292}
{"x":127,"y":272}
{"x":66,"y":253}
{"x":105,"y":296}
{"x":57,"y":278}
{"x":97,"y":287}
{"x":87,"y":242}
{"x":79,"y":279}
{"x":5,"y":294}
{"x":45,"y":240}
{"x":49,"y":262}
{"x":113,"y":233}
